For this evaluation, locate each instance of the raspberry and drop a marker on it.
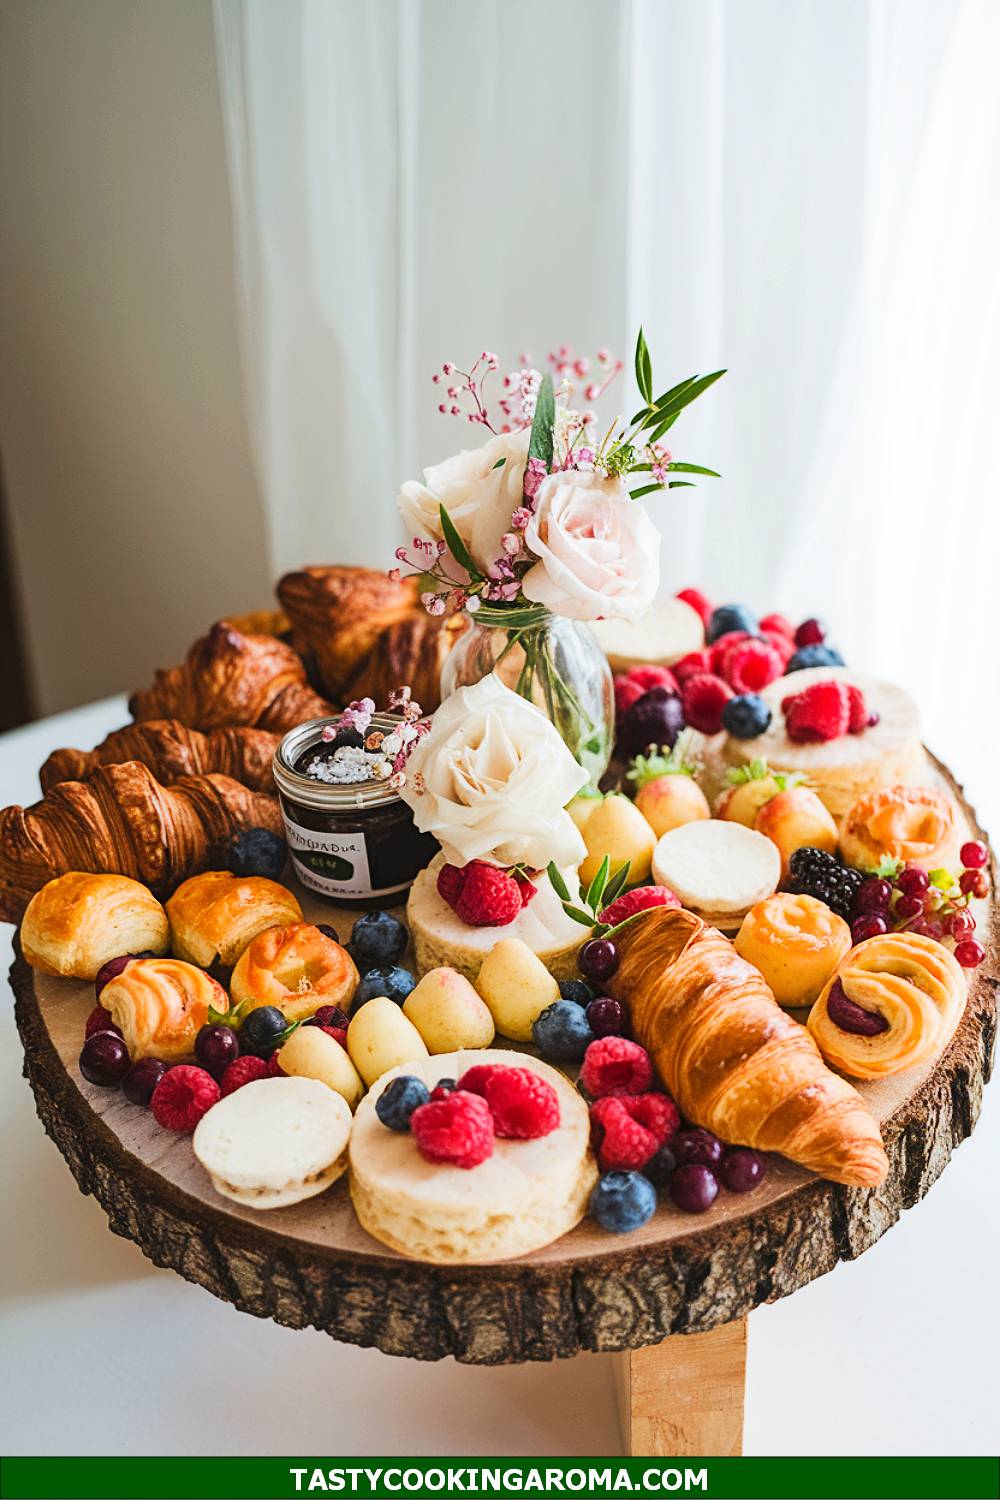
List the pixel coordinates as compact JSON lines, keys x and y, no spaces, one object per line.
{"x":456,"y":1130}
{"x":339,"y":1034}
{"x":819,"y":712}
{"x":527,"y":887}
{"x":99,"y":1020}
{"x":783,"y":644}
{"x":750,"y":665}
{"x":473,"y":1080}
{"x":626,"y":693}
{"x":482,"y":895}
{"x":274,"y":1068}
{"x":704,"y":698}
{"x":523,"y":1105}
{"x":243,"y":1070}
{"x":779,"y":624}
{"x":614,"y":1065}
{"x":650,"y":677}
{"x":183,"y":1095}
{"x":643,"y":898}
{"x":449,"y":883}
{"x":698,"y":602}
{"x":629,"y":1131}
{"x":857,"y":710}
{"x":719,"y":648}
{"x":692,"y":664}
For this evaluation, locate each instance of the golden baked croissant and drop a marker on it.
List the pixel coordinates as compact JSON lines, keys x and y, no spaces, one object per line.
{"x":894,"y":1001}
{"x":365,"y":633}
{"x":734,"y":1061}
{"x":121,"y":821}
{"x":215,"y":915}
{"x":171,"y":750}
{"x":231,"y":678}
{"x":75,"y":923}
{"x":160,"y":1005}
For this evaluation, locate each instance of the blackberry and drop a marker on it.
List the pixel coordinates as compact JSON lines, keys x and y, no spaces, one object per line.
{"x":813,"y":872}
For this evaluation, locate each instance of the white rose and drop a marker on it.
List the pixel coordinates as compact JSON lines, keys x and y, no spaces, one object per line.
{"x":479,"y":496}
{"x":491,"y":779}
{"x":598,"y":552}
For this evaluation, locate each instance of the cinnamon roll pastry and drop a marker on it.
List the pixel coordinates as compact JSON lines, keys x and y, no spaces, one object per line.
{"x":895,"y":1000}
{"x":297,"y":968}
{"x":76,"y":922}
{"x":160,"y":1005}
{"x":215,"y":916}
{"x":796,"y":942}
{"x":915,"y":824}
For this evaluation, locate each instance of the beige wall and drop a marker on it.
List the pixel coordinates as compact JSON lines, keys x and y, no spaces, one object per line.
{"x":134,"y":510}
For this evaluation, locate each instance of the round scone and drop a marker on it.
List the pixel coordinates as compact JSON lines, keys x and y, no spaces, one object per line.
{"x":275,"y":1141}
{"x":888,"y":753}
{"x":442,"y":940}
{"x":525,"y":1195}
{"x":668,"y":631}
{"x":717,"y":869}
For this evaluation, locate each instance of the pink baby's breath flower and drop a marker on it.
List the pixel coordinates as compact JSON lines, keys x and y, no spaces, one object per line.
{"x":510,"y":543}
{"x":520,"y":518}
{"x":397,"y":779}
{"x":401,"y":555}
{"x":585,"y":455}
{"x":399,"y":697}
{"x":581,"y":366}
{"x":358,"y":715}
{"x":659,"y":473}
{"x":448,"y":367}
{"x":534,"y":472}
{"x":436,"y":377}
{"x":604,"y":355}
{"x":394,"y":575}
{"x":328,"y":733}
{"x":433,"y":603}
{"x":590,"y":392}
{"x":472,"y":603}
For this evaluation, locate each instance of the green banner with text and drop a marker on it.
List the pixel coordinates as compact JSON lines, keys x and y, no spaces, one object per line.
{"x":275,"y":1478}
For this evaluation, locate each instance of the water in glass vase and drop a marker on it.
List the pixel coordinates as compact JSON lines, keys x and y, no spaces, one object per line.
{"x":554,"y":662}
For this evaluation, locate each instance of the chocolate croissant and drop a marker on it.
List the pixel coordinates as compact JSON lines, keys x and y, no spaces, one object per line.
{"x":735,"y":1062}
{"x":231,"y":678}
{"x":121,"y":821}
{"x":171,"y":750}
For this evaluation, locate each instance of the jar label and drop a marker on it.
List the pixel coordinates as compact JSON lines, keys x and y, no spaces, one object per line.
{"x":334,"y":864}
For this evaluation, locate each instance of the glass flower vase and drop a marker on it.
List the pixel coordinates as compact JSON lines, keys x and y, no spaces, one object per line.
{"x":554,"y":662}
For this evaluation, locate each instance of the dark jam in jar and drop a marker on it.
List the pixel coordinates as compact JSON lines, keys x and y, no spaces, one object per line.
{"x":353,"y":842}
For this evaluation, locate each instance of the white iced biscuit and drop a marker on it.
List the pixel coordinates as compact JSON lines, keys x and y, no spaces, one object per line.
{"x":665,"y":633}
{"x":717,"y":869}
{"x":525,"y":1195}
{"x":275,"y":1141}
{"x":442,"y":940}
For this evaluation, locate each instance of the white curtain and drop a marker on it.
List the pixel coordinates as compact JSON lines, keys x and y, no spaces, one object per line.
{"x":804,"y":191}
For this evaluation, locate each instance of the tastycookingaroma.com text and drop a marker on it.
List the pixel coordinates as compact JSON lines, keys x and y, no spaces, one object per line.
{"x":483,"y":1480}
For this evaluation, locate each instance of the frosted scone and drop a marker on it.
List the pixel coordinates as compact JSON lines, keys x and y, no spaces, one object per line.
{"x":665,"y":633}
{"x":523,"y":1195}
{"x":915,"y":824}
{"x":887,"y":753}
{"x":717,"y":869}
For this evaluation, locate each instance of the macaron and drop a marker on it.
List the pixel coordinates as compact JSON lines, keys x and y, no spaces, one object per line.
{"x":275,"y":1142}
{"x":718,"y":869}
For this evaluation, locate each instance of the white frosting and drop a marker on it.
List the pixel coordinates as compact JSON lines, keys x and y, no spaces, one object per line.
{"x":717,"y":866}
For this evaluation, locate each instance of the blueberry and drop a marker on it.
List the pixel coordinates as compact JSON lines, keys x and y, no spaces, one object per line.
{"x":262,"y":1030}
{"x":258,"y":851}
{"x":389,"y":980}
{"x":731,"y":617}
{"x":814,"y":656}
{"x":399,"y":1099}
{"x":623,"y":1201}
{"x":656,"y":718}
{"x":746,"y":716}
{"x":378,"y":938}
{"x":562,"y":1032}
{"x":577,"y":991}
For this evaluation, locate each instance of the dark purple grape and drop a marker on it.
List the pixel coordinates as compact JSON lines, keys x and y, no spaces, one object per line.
{"x":696,"y":1146}
{"x":606,"y":1017}
{"x":114,"y":967}
{"x":850,"y":1017}
{"x":656,"y":718}
{"x":660,"y":1167}
{"x":873,"y":924}
{"x":104,"y":1059}
{"x":741,"y":1169}
{"x":874,"y":894}
{"x":142,"y":1078}
{"x":694,"y":1188}
{"x":215,"y":1047}
{"x":328,"y":931}
{"x":598,"y":959}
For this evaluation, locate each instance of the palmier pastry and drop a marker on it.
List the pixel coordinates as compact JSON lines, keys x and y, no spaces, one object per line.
{"x":297,"y":968}
{"x":796,"y":942}
{"x":915,"y":824}
{"x":894,"y":1001}
{"x":160,"y":1004}
{"x":214,"y":916}
{"x":76,"y":922}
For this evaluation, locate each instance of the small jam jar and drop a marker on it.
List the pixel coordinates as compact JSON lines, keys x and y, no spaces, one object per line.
{"x":353,"y":842}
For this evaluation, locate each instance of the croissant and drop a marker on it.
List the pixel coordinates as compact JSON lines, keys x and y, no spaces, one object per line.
{"x":365,"y":633}
{"x":735,"y":1062}
{"x":121,"y":821}
{"x":231,"y":678}
{"x":171,"y":750}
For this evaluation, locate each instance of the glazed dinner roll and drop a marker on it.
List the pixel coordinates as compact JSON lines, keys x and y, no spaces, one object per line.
{"x":160,"y":1004}
{"x":915,"y":824}
{"x":895,"y":1000}
{"x":216,"y":915}
{"x":795,"y":942}
{"x":76,"y":922}
{"x":297,"y":968}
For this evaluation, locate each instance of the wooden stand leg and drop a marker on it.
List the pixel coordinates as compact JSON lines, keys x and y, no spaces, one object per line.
{"x":684,"y":1396}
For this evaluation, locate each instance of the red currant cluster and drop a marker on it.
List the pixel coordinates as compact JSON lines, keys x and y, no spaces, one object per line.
{"x":909,"y":899}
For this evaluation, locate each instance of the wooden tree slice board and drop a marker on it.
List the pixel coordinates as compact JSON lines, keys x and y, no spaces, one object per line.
{"x":313,"y":1265}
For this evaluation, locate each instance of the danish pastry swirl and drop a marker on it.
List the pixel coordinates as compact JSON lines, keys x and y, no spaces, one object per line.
{"x":912,"y":983}
{"x":160,"y":1005}
{"x":913,"y":823}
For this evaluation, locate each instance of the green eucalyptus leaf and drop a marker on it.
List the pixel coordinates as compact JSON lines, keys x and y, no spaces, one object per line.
{"x":557,"y":882}
{"x":600,"y":880}
{"x":646,"y":489}
{"x":681,"y":484}
{"x":643,"y":368}
{"x":665,"y":426}
{"x":616,"y":885}
{"x":542,"y":440}
{"x":501,"y":461}
{"x":455,"y":545}
{"x":693,"y":469}
{"x":585,"y":918}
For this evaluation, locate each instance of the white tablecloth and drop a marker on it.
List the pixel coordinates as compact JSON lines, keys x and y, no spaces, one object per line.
{"x":893,"y":1354}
